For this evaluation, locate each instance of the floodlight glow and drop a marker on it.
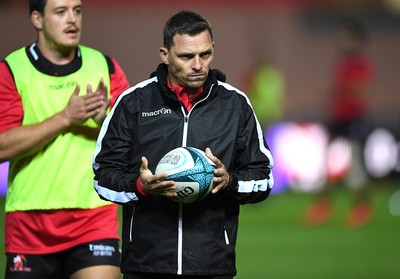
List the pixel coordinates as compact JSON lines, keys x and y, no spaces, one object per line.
{"x":3,"y":178}
{"x":302,"y":150}
{"x":338,"y":158}
{"x":381,"y":153}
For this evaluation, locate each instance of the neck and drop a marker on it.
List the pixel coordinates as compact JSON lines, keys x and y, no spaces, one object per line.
{"x":190,"y":91}
{"x":57,"y":56}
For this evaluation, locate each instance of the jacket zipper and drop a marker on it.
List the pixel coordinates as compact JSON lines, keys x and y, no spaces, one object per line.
{"x":180,"y":235}
{"x":180,"y":221}
{"x":131,"y":225}
{"x":226,"y":236}
{"x":180,"y":228}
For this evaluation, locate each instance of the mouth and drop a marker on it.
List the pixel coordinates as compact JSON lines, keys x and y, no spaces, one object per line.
{"x":197,"y":76}
{"x":71,"y":31}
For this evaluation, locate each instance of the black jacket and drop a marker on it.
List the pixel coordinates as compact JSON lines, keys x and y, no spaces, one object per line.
{"x":159,"y":235}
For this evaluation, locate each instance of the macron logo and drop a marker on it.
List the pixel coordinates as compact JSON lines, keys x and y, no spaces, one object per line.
{"x":157,"y":112}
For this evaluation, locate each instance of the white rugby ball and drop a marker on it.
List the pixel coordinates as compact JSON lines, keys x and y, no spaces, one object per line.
{"x":192,"y":171}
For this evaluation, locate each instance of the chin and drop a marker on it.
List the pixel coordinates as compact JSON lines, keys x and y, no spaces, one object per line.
{"x":196,"y":84}
{"x":71,"y":45}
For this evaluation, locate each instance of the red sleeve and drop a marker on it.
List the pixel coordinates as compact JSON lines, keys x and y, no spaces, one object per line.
{"x":358,"y":69}
{"x":11,"y":111}
{"x":139,"y":187}
{"x":119,"y":82}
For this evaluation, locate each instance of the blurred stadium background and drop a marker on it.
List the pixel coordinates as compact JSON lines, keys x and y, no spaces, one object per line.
{"x":301,"y":36}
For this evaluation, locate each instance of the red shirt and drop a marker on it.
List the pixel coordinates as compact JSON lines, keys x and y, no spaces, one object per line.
{"x":352,"y":76}
{"x":183,"y":95}
{"x":10,"y":101}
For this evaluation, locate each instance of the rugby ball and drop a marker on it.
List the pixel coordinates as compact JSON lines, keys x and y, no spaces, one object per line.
{"x":192,"y":171}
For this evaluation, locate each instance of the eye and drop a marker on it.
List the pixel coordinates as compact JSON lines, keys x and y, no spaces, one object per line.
{"x":78,"y":11}
{"x":206,"y":55}
{"x":186,"y":57}
{"x":59,"y":12}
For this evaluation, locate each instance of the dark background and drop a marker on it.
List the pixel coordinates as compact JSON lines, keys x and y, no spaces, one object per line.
{"x":299,"y":35}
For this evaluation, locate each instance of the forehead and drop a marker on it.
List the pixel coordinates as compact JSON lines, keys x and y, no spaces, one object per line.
{"x":191,"y":44}
{"x":53,"y":4}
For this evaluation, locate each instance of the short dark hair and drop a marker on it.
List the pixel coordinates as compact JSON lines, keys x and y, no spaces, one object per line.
{"x":37,"y":5}
{"x":185,"y":22}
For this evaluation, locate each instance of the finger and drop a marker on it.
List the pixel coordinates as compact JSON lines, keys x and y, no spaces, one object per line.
{"x":104,"y":91}
{"x":93,"y":113}
{"x":216,"y":189}
{"x":100,"y":86}
{"x":213,"y":158}
{"x":89,"y":89}
{"x":93,"y":97}
{"x":170,"y":194}
{"x":209,"y":153}
{"x":93,"y":106}
{"x":166,"y":186}
{"x":107,"y":103}
{"x":77,"y":90}
{"x":161,"y":177}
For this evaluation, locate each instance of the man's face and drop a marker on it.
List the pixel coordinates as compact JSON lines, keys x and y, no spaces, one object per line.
{"x":60,"y":25}
{"x":189,"y":60}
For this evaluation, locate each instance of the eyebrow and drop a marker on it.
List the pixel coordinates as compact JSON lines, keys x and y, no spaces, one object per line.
{"x":66,"y":7}
{"x":208,"y":51}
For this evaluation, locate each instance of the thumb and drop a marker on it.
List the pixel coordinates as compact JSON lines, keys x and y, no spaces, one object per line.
{"x":209,"y":153}
{"x":145,"y":164}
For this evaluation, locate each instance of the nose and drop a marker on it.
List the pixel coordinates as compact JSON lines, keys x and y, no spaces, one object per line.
{"x":71,"y":16}
{"x":196,"y":63}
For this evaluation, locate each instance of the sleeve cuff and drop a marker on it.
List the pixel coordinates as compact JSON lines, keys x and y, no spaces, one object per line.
{"x":233,"y":183}
{"x":139,"y":187}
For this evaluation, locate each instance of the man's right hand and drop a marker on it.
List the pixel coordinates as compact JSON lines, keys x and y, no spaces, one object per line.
{"x":155,"y":184}
{"x":81,"y":108}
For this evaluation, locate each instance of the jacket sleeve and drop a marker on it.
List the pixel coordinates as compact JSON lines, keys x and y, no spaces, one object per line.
{"x":113,"y":165}
{"x":251,"y":180}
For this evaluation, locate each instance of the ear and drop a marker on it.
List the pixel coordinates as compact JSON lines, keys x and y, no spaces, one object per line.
{"x":36,"y":19}
{"x":164,"y":55}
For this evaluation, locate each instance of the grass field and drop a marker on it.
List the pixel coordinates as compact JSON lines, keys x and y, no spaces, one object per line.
{"x":274,"y":243}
